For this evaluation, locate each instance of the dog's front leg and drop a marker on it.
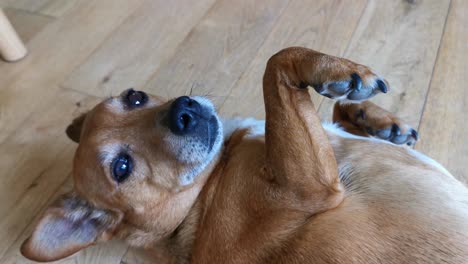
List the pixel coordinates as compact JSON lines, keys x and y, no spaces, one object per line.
{"x":299,"y":156}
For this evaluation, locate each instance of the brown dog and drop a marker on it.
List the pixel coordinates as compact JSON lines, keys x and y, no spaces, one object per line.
{"x":288,"y":191}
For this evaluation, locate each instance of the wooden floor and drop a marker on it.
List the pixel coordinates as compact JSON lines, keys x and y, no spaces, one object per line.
{"x":83,"y":51}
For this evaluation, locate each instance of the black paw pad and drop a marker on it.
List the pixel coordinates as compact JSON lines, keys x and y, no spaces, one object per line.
{"x":356,"y":82}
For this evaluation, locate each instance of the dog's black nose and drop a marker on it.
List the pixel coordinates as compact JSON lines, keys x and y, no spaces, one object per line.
{"x":184,"y":115}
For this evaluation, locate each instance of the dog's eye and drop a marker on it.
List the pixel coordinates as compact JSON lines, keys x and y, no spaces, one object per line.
{"x":136,"y":98}
{"x":122,"y":167}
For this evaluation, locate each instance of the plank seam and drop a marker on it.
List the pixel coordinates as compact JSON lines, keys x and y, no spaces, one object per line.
{"x":433,"y":68}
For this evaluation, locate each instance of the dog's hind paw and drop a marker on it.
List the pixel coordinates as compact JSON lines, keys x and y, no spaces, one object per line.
{"x":370,"y":119}
{"x":397,"y":133}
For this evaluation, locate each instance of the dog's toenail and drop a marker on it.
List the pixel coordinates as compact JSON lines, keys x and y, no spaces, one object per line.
{"x":415,"y":134}
{"x":396,"y":130}
{"x":382,"y":86}
{"x":356,"y":82}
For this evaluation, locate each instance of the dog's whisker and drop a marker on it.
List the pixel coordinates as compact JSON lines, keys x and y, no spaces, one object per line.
{"x":191,"y":90}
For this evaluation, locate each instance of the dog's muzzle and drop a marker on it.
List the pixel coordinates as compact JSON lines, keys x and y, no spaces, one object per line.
{"x":190,"y":118}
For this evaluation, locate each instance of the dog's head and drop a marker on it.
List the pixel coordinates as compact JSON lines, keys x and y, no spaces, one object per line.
{"x":139,"y":166}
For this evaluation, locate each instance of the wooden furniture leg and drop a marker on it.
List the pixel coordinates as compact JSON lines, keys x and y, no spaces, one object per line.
{"x":11,"y":46}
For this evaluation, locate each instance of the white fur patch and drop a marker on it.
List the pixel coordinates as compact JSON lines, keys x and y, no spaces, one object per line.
{"x":335,"y":129}
{"x":256,"y":127}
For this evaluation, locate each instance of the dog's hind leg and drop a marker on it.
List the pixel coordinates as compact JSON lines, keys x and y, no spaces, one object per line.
{"x":368,"y":119}
{"x":299,"y":157}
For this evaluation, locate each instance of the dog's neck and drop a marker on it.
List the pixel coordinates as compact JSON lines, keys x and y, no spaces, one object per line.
{"x":181,"y":242}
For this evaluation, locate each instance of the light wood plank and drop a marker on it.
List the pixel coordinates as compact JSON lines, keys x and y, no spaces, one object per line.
{"x":399,"y":40}
{"x":57,"y":8}
{"x":26,"y":24}
{"x":145,"y":41}
{"x":320,"y":27}
{"x":218,"y":49}
{"x":53,"y":8}
{"x":444,"y":126}
{"x":31,"y":6}
{"x":53,"y":53}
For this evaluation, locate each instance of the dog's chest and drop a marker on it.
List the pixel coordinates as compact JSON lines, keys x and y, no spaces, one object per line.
{"x":237,"y":218}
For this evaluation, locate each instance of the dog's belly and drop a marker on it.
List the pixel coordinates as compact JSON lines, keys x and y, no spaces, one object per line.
{"x":399,"y":207}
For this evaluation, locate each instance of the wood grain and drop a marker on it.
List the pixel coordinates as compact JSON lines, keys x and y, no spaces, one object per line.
{"x":319,"y":27}
{"x":57,"y":8}
{"x":444,"y":126}
{"x":218,"y":50}
{"x":53,"y":8}
{"x":25,"y":5}
{"x":144,"y":41}
{"x":399,"y":40}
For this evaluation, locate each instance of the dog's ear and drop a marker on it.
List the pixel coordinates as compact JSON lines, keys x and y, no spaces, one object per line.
{"x":68,"y":226}
{"x":74,"y":129}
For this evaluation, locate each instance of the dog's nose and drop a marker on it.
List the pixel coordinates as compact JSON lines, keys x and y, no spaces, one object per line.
{"x":184,"y":115}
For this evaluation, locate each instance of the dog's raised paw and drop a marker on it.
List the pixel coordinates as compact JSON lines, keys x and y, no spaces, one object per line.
{"x":354,"y":88}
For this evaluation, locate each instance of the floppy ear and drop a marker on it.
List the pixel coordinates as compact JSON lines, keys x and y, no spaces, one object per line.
{"x":68,"y":226}
{"x":74,"y":129}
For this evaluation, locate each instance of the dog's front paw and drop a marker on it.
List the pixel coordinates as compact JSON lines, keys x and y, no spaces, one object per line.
{"x":357,"y":84}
